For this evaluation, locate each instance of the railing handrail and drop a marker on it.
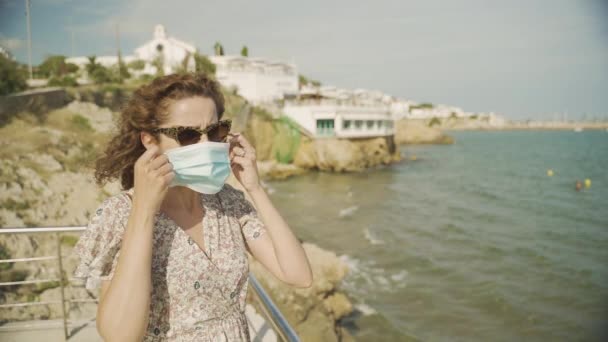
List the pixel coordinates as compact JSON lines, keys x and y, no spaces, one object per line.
{"x":276,"y":317}
{"x":271,"y":311}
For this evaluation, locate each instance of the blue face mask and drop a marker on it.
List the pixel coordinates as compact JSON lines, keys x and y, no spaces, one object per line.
{"x":202,"y":167}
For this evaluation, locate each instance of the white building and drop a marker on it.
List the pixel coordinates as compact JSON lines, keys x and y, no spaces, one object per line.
{"x":341,"y":120}
{"x":6,"y":53}
{"x":435,"y":111}
{"x":341,"y":113}
{"x":171,"y":51}
{"x":257,"y":79}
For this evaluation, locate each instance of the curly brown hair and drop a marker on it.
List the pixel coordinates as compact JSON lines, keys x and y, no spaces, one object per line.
{"x":146,"y":110}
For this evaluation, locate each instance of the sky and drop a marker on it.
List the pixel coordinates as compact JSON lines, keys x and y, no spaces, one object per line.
{"x":524,"y":59}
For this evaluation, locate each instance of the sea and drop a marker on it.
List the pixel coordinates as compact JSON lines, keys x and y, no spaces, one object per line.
{"x":487,"y":239}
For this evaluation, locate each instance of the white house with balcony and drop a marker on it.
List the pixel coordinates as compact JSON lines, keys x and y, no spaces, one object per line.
{"x":257,"y":79}
{"x":340,"y":113}
{"x":334,"y":119}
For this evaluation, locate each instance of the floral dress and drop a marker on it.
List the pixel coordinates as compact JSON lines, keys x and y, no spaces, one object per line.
{"x":198,"y":294}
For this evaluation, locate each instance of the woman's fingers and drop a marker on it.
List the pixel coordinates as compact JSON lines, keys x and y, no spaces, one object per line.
{"x":237,"y":151}
{"x":241,"y":161}
{"x":241,"y":139}
{"x":148,"y":155}
{"x":158,"y":162}
{"x":166,"y":168}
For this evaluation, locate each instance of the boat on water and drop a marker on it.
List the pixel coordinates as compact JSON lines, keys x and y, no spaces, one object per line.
{"x":578,"y":129}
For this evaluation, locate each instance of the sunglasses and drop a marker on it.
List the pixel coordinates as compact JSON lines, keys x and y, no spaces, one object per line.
{"x":188,"y":135}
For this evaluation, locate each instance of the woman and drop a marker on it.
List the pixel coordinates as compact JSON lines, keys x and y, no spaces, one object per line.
{"x":169,"y":250}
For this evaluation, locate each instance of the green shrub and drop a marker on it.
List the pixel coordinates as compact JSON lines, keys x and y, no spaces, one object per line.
{"x":65,"y":81}
{"x":434,"y":121}
{"x":4,"y":254}
{"x":11,"y":78}
{"x":204,"y":64}
{"x":69,"y":240}
{"x":13,"y":275}
{"x":137,"y":64}
{"x":425,"y":105}
{"x":286,"y":140}
{"x":82,"y":123}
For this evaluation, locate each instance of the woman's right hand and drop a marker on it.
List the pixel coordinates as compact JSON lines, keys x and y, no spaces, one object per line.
{"x":153,"y":175}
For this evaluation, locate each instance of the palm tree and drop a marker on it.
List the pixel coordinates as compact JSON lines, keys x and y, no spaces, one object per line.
{"x":219,"y":49}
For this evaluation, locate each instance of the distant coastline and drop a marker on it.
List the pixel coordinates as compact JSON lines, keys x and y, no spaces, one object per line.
{"x":537,"y":127}
{"x":483,"y":124}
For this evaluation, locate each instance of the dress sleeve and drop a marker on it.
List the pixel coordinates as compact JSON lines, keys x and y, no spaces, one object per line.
{"x":252,"y":226}
{"x":99,"y":245}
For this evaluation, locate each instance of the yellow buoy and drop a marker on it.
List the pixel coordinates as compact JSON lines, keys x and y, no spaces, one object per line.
{"x":549,"y":172}
{"x":587,"y":183}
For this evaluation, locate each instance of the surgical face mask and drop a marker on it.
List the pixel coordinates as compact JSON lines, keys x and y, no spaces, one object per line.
{"x":202,"y":167}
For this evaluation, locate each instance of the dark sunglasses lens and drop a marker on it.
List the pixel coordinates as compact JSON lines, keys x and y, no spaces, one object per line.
{"x":188,"y":137}
{"x":219,"y":133}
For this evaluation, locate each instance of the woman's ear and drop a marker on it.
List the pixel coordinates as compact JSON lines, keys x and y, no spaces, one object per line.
{"x":147,"y":139}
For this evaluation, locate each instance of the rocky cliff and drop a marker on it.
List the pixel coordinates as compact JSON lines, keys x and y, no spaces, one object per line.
{"x":419,"y":132}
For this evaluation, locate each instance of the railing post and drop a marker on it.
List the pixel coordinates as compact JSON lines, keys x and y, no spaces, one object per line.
{"x":61,"y":277}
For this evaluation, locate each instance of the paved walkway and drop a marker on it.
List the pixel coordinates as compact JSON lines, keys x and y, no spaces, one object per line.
{"x":85,"y":330}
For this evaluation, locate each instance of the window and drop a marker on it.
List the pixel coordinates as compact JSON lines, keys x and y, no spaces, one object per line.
{"x":379,"y":123}
{"x":370,"y":124}
{"x":346,"y":124}
{"x":358,"y":124}
{"x":325,"y":127}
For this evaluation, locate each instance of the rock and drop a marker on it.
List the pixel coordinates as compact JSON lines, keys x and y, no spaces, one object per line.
{"x":260,"y":134}
{"x":418,"y":132}
{"x":45,"y":161}
{"x":100,"y":118}
{"x":344,"y":155}
{"x":338,"y":305}
{"x":53,"y":134}
{"x":9,"y":218}
{"x":313,"y":312}
{"x":270,"y":169}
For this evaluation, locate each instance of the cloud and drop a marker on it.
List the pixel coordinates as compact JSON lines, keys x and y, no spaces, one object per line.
{"x":12,"y":44}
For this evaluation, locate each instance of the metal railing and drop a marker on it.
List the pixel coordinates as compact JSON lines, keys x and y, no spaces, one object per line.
{"x":270,"y":311}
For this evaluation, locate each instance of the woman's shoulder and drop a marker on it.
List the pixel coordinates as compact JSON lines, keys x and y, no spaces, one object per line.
{"x":117,"y":204}
{"x":230,"y":191}
{"x":122,"y":198}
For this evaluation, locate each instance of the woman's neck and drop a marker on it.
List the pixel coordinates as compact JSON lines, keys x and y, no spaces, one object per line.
{"x":179,"y":198}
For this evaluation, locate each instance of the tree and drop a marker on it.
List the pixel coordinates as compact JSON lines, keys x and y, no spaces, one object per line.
{"x":92,"y":65}
{"x":203,"y":64}
{"x":55,"y":66}
{"x":218,"y":48}
{"x":65,"y":81}
{"x":123,"y":71}
{"x":137,"y":64}
{"x":11,"y":79}
{"x":245,"y":51}
{"x":102,"y":75}
{"x":98,"y":73}
{"x":303,"y":80}
{"x":159,"y":63}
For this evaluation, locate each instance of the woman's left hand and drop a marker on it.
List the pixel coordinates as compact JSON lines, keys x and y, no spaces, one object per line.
{"x":243,"y":162}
